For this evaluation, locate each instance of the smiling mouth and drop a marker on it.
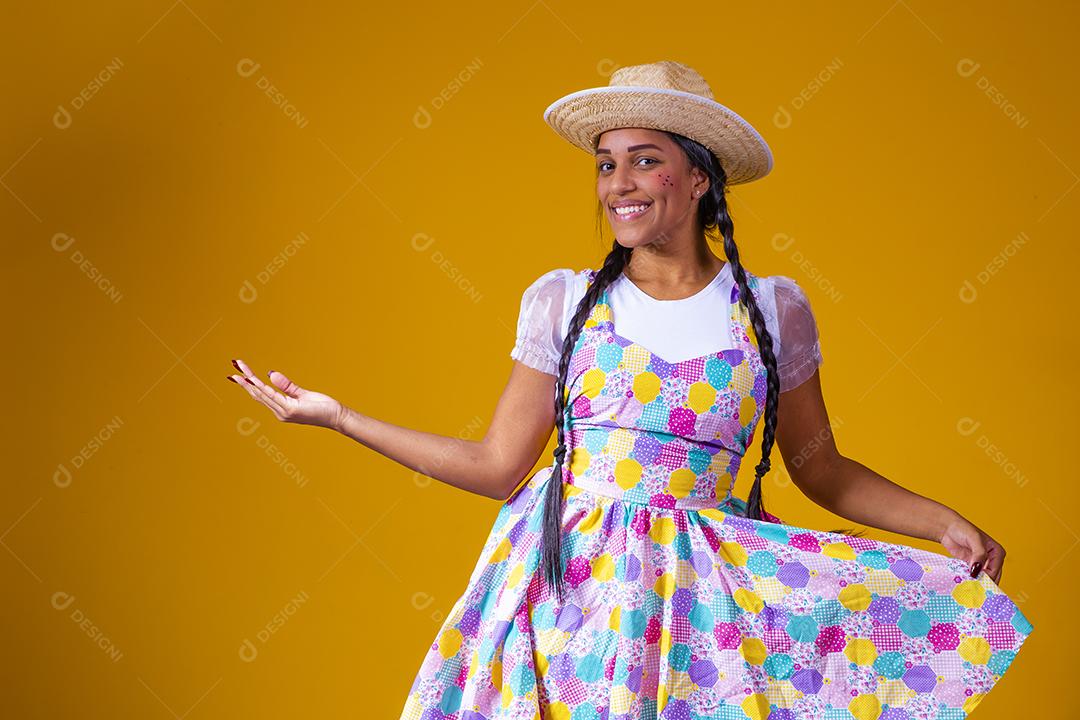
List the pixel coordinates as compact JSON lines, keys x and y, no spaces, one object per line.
{"x":631,"y":212}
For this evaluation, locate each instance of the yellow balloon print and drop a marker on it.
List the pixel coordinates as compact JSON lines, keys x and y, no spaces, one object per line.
{"x":975,"y":650}
{"x":682,"y":482}
{"x":756,"y":706}
{"x":665,"y":642}
{"x":603,"y":568}
{"x":591,"y":521}
{"x":973,"y":700}
{"x":627,"y":473}
{"x":747,"y":408}
{"x":748,"y":600}
{"x":579,"y":461}
{"x":663,"y":530}
{"x":865,"y":707}
{"x":501,"y":552}
{"x":734,"y":553}
{"x":713,"y":513}
{"x":969,"y":593}
{"x":855,"y":597}
{"x":541,"y":662}
{"x":861,"y":651}
{"x":450,"y":642}
{"x":665,"y":585}
{"x":558,"y":711}
{"x":838,"y":550}
{"x":753,"y":650}
{"x":701,"y":397}
{"x":593,"y":382}
{"x":646,"y":387}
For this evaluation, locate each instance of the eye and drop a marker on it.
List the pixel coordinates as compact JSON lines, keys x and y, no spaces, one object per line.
{"x":600,"y":167}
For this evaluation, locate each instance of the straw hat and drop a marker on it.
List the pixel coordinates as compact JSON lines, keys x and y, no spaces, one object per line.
{"x":664,"y":95}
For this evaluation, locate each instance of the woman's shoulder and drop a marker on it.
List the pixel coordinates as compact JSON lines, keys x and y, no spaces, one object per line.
{"x":782,"y":300}
{"x":787,"y":308}
{"x":786,"y":291}
{"x":550,"y":282}
{"x":776,"y":288}
{"x":563,"y":276}
{"x":561,"y":287}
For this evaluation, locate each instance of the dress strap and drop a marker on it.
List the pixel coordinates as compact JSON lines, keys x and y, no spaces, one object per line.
{"x":741,"y":313}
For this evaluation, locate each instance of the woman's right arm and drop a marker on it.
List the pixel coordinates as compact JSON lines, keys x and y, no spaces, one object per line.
{"x":494,"y":466}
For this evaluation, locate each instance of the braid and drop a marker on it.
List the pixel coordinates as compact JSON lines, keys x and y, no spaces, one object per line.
{"x":713,"y":213}
{"x":552,"y":547}
{"x":755,"y":507}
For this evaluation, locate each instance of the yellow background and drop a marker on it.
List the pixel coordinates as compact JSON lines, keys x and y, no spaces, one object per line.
{"x":358,"y":195}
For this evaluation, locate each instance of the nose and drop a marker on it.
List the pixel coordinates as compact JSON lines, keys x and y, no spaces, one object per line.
{"x":622,"y":181}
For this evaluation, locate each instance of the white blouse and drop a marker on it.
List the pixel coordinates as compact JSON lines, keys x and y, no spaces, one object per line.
{"x":676,"y":330}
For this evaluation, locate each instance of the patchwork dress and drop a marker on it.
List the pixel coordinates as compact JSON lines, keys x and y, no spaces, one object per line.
{"x":678,"y":608}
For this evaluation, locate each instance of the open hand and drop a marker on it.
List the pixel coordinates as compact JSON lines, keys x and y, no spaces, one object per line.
{"x":966,"y":541}
{"x":293,"y":404}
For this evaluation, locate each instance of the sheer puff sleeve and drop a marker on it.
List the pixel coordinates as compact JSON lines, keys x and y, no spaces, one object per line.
{"x":799,"y":353}
{"x":540,"y":329}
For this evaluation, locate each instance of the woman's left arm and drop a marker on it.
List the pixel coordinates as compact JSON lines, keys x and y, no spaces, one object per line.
{"x":855,"y":492}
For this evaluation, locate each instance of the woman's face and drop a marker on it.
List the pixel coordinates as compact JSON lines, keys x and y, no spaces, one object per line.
{"x":645,"y":168}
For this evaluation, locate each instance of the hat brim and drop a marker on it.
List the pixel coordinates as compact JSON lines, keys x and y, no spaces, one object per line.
{"x":582,"y":116}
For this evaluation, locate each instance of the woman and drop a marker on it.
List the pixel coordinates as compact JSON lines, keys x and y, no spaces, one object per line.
{"x":640,"y":586}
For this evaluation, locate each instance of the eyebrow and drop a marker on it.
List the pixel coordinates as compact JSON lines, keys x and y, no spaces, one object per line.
{"x":632,"y":148}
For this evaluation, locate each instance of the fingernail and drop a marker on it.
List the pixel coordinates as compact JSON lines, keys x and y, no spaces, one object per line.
{"x":975,"y":569}
{"x":236,"y":365}
{"x":230,"y":378}
{"x":269,"y":373}
{"x":248,"y":381}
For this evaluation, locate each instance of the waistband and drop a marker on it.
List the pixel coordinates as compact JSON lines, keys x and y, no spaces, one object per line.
{"x":726,"y":502}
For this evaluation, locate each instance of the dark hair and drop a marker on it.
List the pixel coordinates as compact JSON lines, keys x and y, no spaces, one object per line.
{"x":712,"y":215}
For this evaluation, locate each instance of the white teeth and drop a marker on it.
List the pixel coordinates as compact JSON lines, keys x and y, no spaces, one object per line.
{"x":630,"y":209}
